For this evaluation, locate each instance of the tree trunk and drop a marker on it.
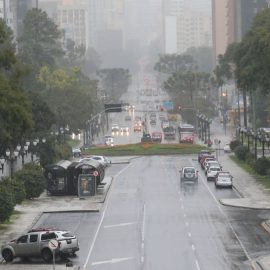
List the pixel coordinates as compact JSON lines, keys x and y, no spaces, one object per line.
{"x":245,"y":107}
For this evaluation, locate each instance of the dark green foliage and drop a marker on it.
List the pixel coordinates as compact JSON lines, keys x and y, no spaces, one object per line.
{"x":241,"y":152}
{"x":39,"y":43}
{"x":63,"y":151}
{"x":7,"y":201}
{"x":32,"y":177}
{"x":16,"y":189}
{"x":234,"y":144}
{"x":262,"y":165}
{"x":115,"y":82}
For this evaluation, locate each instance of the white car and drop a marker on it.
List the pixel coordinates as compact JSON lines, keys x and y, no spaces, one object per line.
{"x":227,"y":148}
{"x":115,"y":129}
{"x":212,"y":172}
{"x":224,"y":179}
{"x":209,"y":164}
{"x":103,"y":160}
{"x":124,"y":131}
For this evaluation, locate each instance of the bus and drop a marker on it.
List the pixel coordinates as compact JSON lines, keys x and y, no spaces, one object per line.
{"x":186,"y":133}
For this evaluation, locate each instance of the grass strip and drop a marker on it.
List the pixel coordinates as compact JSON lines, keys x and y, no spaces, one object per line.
{"x":264,"y":180}
{"x":145,"y":149}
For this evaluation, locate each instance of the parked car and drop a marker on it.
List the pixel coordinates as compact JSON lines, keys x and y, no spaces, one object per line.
{"x":108,"y":140}
{"x":202,"y":160}
{"x":137,"y":127}
{"x":224,"y":179}
{"x":227,"y":148}
{"x":189,"y":174}
{"x":209,"y":163}
{"x":202,"y":153}
{"x":212,"y":172}
{"x":35,"y":243}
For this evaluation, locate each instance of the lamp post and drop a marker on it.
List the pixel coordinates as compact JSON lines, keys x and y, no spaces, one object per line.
{"x":2,"y":162}
{"x":12,"y":156}
{"x":35,"y":143}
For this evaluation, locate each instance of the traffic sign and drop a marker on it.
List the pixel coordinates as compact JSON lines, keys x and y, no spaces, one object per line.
{"x":53,"y":244}
{"x":95,"y":173}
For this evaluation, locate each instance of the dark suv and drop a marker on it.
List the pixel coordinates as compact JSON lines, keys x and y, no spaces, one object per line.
{"x":146,"y":138}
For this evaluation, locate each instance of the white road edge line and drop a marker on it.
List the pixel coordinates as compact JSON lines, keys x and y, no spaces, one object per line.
{"x":115,"y":260}
{"x":101,"y":221}
{"x":118,"y":225}
{"x":143,"y":223}
{"x":228,"y":222}
{"x":197,"y":265}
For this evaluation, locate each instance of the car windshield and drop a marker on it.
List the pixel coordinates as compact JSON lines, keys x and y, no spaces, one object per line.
{"x":189,"y":170}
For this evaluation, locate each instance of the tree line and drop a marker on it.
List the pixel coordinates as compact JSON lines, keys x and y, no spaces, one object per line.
{"x":45,"y":83}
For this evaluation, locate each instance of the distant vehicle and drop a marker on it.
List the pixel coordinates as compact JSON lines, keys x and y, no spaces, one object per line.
{"x":169,"y":133}
{"x":108,"y":140}
{"x":212,"y":172}
{"x":137,"y":127}
{"x":127,"y":118}
{"x":172,"y":117}
{"x":76,"y":152}
{"x":210,"y":163}
{"x":101,"y":159}
{"x":162,"y":116}
{"x":146,"y":138}
{"x":138,"y":118}
{"x":115,"y":129}
{"x":35,"y":243}
{"x":165,"y":124}
{"x":227,"y":148}
{"x":124,"y":130}
{"x":186,"y":133}
{"x":189,"y":174}
{"x":203,"y":153}
{"x":153,"y":122}
{"x":157,"y":137}
{"x":224,"y":179}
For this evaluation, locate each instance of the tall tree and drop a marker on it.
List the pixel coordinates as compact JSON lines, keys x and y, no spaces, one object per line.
{"x":115,"y":82}
{"x":172,"y":63}
{"x":39,"y":43}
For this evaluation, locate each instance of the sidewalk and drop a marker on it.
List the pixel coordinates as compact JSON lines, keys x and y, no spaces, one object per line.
{"x":253,"y":195}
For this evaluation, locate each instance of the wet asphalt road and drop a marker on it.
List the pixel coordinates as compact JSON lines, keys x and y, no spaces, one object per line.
{"x":151,"y":221}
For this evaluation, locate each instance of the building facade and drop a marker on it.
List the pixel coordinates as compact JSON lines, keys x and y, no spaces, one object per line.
{"x":231,"y":21}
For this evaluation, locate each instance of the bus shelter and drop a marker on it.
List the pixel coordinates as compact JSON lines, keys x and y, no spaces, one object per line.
{"x":75,"y":169}
{"x":56,"y":176}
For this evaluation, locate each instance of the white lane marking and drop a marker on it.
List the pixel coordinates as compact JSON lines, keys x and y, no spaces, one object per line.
{"x":143,"y":223}
{"x":228,"y":222}
{"x":182,"y":206}
{"x":189,"y":234}
{"x":186,"y":223}
{"x":101,"y":221}
{"x":143,"y":233}
{"x":185,"y":215}
{"x":193,"y":247}
{"x":115,"y":260}
{"x":119,"y":225}
{"x":197,"y":265}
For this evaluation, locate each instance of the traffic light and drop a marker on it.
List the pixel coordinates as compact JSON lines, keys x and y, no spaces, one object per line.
{"x":113,"y":108}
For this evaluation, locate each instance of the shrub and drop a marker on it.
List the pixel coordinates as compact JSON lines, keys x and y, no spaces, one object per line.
{"x":234,"y":144}
{"x":63,"y":151}
{"x":16,"y":188}
{"x":241,"y":152}
{"x":33,"y":179}
{"x":261,"y":165}
{"x":7,"y":202}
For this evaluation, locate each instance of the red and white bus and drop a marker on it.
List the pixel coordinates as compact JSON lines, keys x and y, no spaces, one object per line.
{"x":186,"y":133}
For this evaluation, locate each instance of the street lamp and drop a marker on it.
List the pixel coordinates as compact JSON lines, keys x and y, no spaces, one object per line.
{"x":11,"y":156}
{"x":2,"y":162}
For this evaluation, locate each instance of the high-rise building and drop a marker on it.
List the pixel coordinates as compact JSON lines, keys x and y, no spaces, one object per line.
{"x":231,"y":21}
{"x":71,"y":16}
{"x":192,"y":29}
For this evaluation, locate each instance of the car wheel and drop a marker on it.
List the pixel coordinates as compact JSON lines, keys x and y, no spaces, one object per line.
{"x":47,"y":255}
{"x":7,"y":255}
